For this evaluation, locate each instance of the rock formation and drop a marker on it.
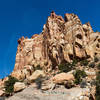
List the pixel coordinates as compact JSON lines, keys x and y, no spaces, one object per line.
{"x":61,"y":40}
{"x":41,"y":61}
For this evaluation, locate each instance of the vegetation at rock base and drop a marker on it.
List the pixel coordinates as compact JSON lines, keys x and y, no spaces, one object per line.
{"x":92,"y":65}
{"x":96,"y":59}
{"x":97,"y":94}
{"x":84,"y":62}
{"x":9,"y":85}
{"x":74,"y":62}
{"x":66,"y":67}
{"x":98,"y":66}
{"x":98,"y":86}
{"x":79,"y":74}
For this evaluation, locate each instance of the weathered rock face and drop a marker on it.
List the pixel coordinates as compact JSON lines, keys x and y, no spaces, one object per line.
{"x":61,"y":40}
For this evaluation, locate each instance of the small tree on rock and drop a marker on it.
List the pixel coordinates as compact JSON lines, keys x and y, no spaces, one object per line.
{"x":9,"y":85}
{"x":98,"y":86}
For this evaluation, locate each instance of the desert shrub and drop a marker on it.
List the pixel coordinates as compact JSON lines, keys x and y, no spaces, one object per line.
{"x":66,"y":67}
{"x":96,"y":59}
{"x":84,"y":62}
{"x":9,"y":85}
{"x":98,"y":86}
{"x":79,"y":74}
{"x":98,"y":66}
{"x":92,"y":64}
{"x":74,"y":62}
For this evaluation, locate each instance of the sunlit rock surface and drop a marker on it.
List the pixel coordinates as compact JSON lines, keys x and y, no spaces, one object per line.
{"x":61,"y":40}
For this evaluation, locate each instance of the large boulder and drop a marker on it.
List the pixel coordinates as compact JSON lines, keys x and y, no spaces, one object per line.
{"x":62,"y":77}
{"x":2,"y":93}
{"x":18,"y":86}
{"x":35,"y":75}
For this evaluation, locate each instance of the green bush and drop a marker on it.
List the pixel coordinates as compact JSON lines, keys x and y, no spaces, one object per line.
{"x":84,"y":62}
{"x":98,"y":66}
{"x":98,"y":86}
{"x":79,"y":74}
{"x":74,"y":62}
{"x":9,"y":85}
{"x":92,"y":65}
{"x":96,"y":59}
{"x":65,"y":67}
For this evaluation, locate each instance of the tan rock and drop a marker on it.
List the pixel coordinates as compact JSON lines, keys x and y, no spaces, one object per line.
{"x":5,"y":79}
{"x":47,"y":84}
{"x":83,"y":98}
{"x":2,"y":93}
{"x":62,"y":77}
{"x":35,"y":75}
{"x":18,"y":86}
{"x":18,"y":74}
{"x":1,"y":83}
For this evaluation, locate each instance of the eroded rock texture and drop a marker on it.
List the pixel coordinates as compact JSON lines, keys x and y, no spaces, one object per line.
{"x":61,"y":40}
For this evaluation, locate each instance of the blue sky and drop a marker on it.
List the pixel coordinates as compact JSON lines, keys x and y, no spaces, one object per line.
{"x":26,"y":17}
